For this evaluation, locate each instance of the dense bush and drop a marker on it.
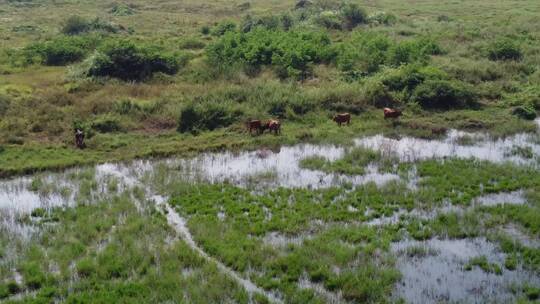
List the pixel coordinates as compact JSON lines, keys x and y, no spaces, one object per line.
{"x":223,"y":27}
{"x":443,"y":94}
{"x":128,"y":60}
{"x":504,"y":49}
{"x":76,"y":25}
{"x":4,"y":104}
{"x":291,"y":53}
{"x":207,"y":115}
{"x":353,"y":15}
{"x":529,"y":97}
{"x":366,"y":52}
{"x":382,"y":18}
{"x":524,"y":112}
{"x":60,"y":51}
{"x":106,"y":124}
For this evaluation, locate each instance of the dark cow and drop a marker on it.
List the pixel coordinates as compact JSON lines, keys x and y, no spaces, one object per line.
{"x":254,"y":125}
{"x":392,"y":113}
{"x":342,"y":118}
{"x":272,"y":125}
{"x":79,"y":139}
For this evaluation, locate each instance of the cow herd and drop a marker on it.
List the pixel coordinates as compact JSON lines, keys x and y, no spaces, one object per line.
{"x":258,"y":127}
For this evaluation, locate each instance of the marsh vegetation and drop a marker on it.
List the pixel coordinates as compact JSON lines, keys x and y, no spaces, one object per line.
{"x":172,"y":200}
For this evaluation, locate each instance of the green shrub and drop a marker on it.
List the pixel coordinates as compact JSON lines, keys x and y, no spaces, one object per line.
{"x":353,"y":15}
{"x":528,"y":97}
{"x":106,"y":124}
{"x":75,"y":25}
{"x":443,"y":94}
{"x":524,"y":112}
{"x":4,"y":104}
{"x":406,"y":78}
{"x":128,"y":60}
{"x":292,"y":53}
{"x":60,"y":51}
{"x":34,"y":277}
{"x":86,"y":267}
{"x":412,"y":51}
{"x":191,"y":43}
{"x":196,"y":117}
{"x":205,"y":30}
{"x":329,"y":20}
{"x":120,"y":9}
{"x":382,"y":18}
{"x":224,"y":27}
{"x":366,"y":52}
{"x":504,"y":49}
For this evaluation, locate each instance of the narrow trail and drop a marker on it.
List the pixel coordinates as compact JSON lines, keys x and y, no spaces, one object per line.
{"x":179,"y":224}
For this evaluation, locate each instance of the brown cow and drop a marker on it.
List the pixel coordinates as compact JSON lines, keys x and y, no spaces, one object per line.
{"x":392,"y":113}
{"x":254,"y":125}
{"x":342,"y":118}
{"x":272,"y":125}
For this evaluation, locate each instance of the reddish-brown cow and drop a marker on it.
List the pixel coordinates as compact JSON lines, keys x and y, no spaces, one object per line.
{"x":392,"y":113}
{"x":342,"y":118}
{"x":272,"y":125}
{"x":254,"y":125}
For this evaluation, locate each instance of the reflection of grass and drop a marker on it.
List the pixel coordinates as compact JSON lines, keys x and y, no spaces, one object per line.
{"x":521,"y":151}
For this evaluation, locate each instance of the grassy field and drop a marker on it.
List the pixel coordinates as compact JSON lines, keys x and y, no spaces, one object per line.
{"x":41,"y":102}
{"x":163,"y":82}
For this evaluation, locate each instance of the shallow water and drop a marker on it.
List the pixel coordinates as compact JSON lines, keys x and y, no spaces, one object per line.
{"x":427,"y":278}
{"x":439,"y":275}
{"x":483,"y":147}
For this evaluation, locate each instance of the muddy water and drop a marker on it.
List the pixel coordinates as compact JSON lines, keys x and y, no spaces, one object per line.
{"x":438,"y":275}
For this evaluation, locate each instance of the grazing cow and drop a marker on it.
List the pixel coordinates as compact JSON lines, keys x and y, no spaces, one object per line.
{"x":272,"y":125}
{"x":79,"y":139}
{"x":342,"y":118}
{"x":392,"y":113}
{"x":254,"y":125}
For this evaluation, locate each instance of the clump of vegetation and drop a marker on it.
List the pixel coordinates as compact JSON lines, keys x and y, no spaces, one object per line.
{"x":60,"y":51}
{"x":354,"y":162}
{"x":122,"y":9}
{"x":196,"y":117}
{"x":76,"y":25}
{"x":443,"y":94}
{"x":130,"y":60}
{"x":524,"y":112}
{"x":292,"y":53}
{"x":504,"y":49}
{"x":366,"y":53}
{"x":484,"y":264}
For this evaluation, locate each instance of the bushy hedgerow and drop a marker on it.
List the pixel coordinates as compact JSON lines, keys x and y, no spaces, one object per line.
{"x":130,"y":60}
{"x":106,"y":124}
{"x":60,"y":51}
{"x":291,"y":53}
{"x":207,"y":115}
{"x":504,"y":49}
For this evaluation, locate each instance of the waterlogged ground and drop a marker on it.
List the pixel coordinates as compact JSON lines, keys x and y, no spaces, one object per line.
{"x":455,"y":219}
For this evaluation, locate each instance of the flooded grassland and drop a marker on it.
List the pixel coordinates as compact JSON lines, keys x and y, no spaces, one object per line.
{"x":456,"y":219}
